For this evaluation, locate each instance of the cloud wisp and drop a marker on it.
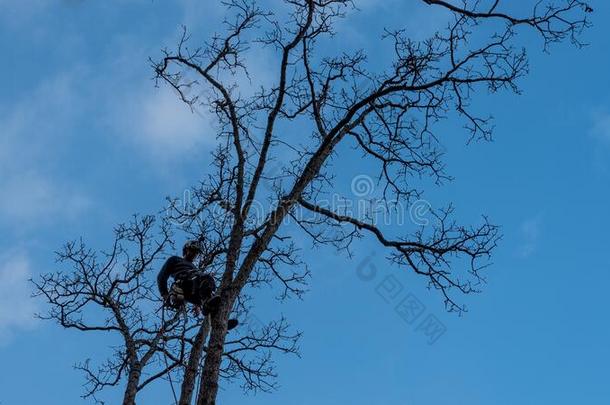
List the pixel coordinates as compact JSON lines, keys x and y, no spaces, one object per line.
{"x":36,"y":129}
{"x":17,"y":307}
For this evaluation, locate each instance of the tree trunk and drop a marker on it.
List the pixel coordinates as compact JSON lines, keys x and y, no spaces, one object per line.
{"x":213,"y":359}
{"x":132,"y":386}
{"x":190,"y":374}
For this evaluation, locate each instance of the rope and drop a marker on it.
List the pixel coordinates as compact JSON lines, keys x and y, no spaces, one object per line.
{"x":169,"y":373}
{"x":208,"y":324}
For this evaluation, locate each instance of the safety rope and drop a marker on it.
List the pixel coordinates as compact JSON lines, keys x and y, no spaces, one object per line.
{"x":207,"y":325}
{"x":169,"y":372}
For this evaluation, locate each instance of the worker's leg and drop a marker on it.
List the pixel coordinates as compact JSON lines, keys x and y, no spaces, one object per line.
{"x":203,"y":287}
{"x":190,"y":288}
{"x":206,"y":286}
{"x":210,"y":302}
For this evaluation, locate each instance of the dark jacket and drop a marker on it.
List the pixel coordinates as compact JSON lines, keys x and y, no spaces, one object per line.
{"x":175,"y":267}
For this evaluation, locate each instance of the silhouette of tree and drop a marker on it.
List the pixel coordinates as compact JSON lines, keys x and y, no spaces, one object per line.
{"x":388,"y":117}
{"x":272,"y":174}
{"x":109,"y":292}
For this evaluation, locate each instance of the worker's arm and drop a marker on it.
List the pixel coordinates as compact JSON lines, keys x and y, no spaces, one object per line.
{"x":163,"y":276}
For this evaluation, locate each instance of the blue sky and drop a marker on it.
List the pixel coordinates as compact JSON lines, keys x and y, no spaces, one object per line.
{"x":87,"y":140}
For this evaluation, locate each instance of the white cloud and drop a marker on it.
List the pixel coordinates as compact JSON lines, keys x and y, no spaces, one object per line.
{"x":33,"y":199}
{"x":152,"y":122}
{"x":158,"y":122}
{"x":17,"y":307}
{"x":35,"y":129}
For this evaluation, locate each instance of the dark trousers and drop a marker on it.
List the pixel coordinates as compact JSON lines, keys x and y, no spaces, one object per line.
{"x":197,"y":287}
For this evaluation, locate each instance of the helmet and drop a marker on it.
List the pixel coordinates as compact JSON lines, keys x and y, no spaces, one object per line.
{"x":192,"y":245}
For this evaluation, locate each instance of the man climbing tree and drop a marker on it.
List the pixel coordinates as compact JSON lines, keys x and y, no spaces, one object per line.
{"x":191,"y":283}
{"x":324,"y":105}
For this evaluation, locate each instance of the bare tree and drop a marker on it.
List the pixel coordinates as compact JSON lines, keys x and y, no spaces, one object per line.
{"x":388,"y":117}
{"x":321,"y":102}
{"x":110,"y":292}
{"x":248,"y":209}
